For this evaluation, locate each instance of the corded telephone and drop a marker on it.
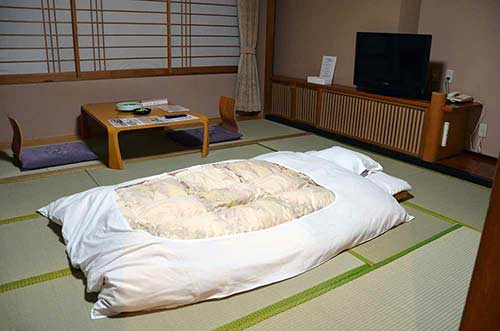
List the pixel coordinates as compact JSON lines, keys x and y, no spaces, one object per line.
{"x":458,"y":97}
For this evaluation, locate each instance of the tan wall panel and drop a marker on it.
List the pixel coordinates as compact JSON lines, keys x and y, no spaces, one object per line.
{"x":51,"y":109}
{"x":466,"y":38}
{"x":307,"y":30}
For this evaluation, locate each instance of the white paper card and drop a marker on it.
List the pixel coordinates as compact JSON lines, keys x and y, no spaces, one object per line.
{"x":319,"y":80}
{"x":328,"y":67}
{"x":138,"y":121}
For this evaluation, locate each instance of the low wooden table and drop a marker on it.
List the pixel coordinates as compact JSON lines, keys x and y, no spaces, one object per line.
{"x":103,"y":112}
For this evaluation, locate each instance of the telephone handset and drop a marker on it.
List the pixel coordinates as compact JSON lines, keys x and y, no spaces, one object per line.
{"x":458,"y":97}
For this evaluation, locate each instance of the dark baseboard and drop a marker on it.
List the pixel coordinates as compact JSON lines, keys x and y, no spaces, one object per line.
{"x":487,"y":182}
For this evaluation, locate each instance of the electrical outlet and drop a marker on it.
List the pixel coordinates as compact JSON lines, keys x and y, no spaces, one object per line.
{"x":449,"y":75}
{"x":483,"y":129}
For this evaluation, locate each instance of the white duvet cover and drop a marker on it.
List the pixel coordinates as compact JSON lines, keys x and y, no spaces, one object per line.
{"x":133,"y":270}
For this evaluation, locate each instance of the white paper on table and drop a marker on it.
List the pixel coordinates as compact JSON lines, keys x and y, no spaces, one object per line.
{"x":134,"y":121}
{"x":124,"y":122}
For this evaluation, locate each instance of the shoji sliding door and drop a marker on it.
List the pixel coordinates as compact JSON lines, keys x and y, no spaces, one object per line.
{"x":43,"y":40}
{"x":36,"y":37}
{"x":204,"y":33}
{"x":122,"y":34}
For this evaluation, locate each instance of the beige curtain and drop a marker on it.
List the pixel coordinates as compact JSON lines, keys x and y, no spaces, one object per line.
{"x":247,"y":85}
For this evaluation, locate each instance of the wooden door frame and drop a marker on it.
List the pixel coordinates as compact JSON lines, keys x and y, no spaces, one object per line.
{"x":482,"y":308}
{"x":269,"y":58}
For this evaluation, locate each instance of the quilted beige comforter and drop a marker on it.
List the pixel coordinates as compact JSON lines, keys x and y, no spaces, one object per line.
{"x":220,"y":199}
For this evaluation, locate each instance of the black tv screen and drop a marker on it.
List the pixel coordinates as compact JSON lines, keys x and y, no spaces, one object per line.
{"x":393,"y":64}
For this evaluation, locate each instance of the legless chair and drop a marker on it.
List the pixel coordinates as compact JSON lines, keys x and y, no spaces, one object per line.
{"x":17,"y":139}
{"x":225,"y":131}
{"x":49,"y":155}
{"x":227,"y":112}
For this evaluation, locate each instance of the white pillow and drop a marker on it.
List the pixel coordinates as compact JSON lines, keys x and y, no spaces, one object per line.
{"x":348,"y":159}
{"x":388,"y":183}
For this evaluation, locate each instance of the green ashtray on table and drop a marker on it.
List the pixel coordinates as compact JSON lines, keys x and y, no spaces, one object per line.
{"x":142,"y":111}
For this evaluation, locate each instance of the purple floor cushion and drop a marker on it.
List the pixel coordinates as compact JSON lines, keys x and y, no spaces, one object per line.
{"x":194,"y":137}
{"x":53,"y":155}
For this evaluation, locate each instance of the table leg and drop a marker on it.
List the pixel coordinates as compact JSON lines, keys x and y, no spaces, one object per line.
{"x":114,"y":156}
{"x":84,"y":125}
{"x":204,"y":149}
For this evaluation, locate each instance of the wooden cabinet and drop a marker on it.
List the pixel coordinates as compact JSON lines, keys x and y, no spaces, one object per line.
{"x":411,"y":127}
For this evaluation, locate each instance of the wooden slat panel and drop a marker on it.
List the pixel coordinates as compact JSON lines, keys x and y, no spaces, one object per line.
{"x":306,"y":105}
{"x":281,"y":100}
{"x":397,"y":127}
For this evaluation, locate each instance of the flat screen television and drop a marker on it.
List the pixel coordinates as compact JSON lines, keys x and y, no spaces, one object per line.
{"x":394,"y":64}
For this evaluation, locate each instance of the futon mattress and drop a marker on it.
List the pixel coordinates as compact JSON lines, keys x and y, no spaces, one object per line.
{"x":136,"y":261}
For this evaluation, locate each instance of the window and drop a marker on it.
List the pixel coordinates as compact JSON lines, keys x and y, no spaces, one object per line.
{"x":35,"y":37}
{"x":122,"y":34}
{"x":44,"y":40}
{"x":204,"y":34}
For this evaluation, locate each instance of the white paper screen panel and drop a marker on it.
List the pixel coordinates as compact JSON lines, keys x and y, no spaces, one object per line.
{"x":122,"y":34}
{"x":204,"y":33}
{"x":35,"y":37}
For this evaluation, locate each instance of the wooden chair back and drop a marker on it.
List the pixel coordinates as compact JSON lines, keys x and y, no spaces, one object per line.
{"x":17,"y":138}
{"x":227,"y":111}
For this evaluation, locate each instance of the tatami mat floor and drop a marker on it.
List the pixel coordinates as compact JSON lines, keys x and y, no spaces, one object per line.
{"x":151,"y":143}
{"x":424,"y":290}
{"x":390,"y":282}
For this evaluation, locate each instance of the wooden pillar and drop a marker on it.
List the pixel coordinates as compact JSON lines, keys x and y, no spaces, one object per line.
{"x":270,"y":23}
{"x":433,"y":127}
{"x":482,"y":308}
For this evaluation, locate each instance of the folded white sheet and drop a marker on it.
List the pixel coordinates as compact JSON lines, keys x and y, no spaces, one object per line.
{"x":388,"y":183}
{"x":133,"y":270}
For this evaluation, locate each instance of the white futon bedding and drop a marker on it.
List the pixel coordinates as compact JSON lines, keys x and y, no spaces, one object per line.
{"x":207,"y":232}
{"x":220,"y":199}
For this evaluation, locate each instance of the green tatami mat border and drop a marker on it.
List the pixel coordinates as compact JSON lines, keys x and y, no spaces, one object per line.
{"x":292,"y":301}
{"x":20,"y":218}
{"x":35,"y":280}
{"x":361,"y":257}
{"x":269,"y":148}
{"x":320,"y":289}
{"x":438,"y":215}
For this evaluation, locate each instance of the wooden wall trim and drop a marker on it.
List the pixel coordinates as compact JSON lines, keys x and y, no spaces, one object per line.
{"x":113,"y":74}
{"x":270,"y":33}
{"x":482,"y":307}
{"x":74,"y":27}
{"x":169,"y":35}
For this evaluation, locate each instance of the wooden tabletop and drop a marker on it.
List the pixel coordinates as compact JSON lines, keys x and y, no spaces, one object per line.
{"x":103,"y":112}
